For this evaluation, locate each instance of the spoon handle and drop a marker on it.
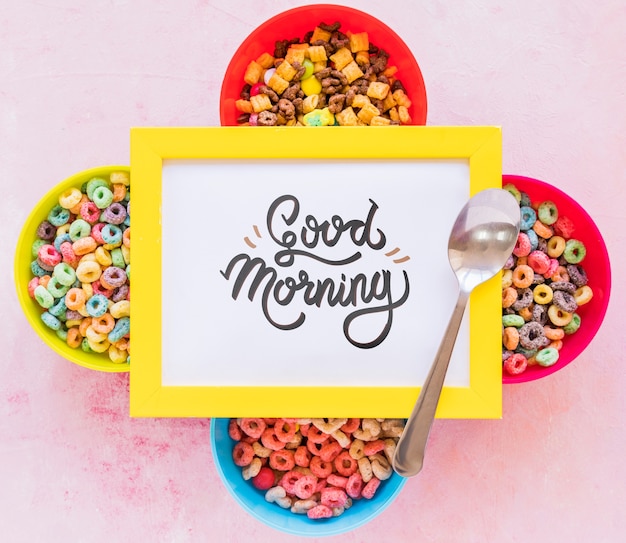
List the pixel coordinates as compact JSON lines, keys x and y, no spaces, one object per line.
{"x":409,"y":455}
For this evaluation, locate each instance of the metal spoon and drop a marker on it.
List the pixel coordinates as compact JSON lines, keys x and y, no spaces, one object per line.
{"x":481,"y":240}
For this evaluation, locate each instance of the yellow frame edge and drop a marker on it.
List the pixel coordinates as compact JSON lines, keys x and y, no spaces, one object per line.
{"x":481,"y":146}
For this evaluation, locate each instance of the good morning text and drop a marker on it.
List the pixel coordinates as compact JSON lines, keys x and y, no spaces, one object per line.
{"x":375,"y":294}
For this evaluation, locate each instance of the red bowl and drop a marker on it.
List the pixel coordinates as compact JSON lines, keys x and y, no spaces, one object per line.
{"x":296,"y":23}
{"x":596,"y":264}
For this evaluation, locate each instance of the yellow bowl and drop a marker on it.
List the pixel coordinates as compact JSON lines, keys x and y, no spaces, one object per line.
{"x":23,"y":274}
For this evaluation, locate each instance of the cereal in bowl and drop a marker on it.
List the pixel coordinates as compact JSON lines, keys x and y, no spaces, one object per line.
{"x":330,"y":77}
{"x":543,"y":285}
{"x":315,"y":467}
{"x":81,"y":267}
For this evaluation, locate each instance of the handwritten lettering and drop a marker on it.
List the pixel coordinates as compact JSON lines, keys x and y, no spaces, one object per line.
{"x":370,"y":296}
{"x":347,"y":292}
{"x":360,"y":233}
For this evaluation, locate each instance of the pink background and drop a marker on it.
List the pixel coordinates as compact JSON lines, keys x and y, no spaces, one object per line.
{"x":77,"y":75}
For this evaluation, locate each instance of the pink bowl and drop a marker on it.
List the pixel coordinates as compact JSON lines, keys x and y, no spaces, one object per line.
{"x":596,"y":264}
{"x":297,"y":22}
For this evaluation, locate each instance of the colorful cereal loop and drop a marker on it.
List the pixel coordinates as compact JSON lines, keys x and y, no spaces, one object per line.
{"x":522,"y":247}
{"x":547,"y":212}
{"x":79,"y":229}
{"x":573,"y":325}
{"x":48,"y":256}
{"x":111,"y":234}
{"x":84,"y":246}
{"x":82,"y":327}
{"x":36,"y":269}
{"x":523,"y":276}
{"x":93,"y":335}
{"x":369,"y":490}
{"x":121,"y":328}
{"x":102,"y":197}
{"x":513,"y":320}
{"x":103,"y":257}
{"x":115,"y":213}
{"x":583,"y":295}
{"x":89,"y":212}
{"x":305,"y":486}
{"x":46,"y":231}
{"x":56,"y":288}
{"x":285,"y":430}
{"x":539,"y":261}
{"x":507,"y":278}
{"x":58,"y":216}
{"x":515,"y":364}
{"x":120,"y":177}
{"x":96,"y":232}
{"x":574,"y":252}
{"x":126,"y":237}
{"x":120,"y":309}
{"x":345,"y":464}
{"x":528,"y":217}
{"x":510,"y":338}
{"x":93,"y":184}
{"x":114,"y":277}
{"x":242,"y":454}
{"x":542,"y":294}
{"x":97,"y":305}
{"x":75,"y":210}
{"x":556,"y":246}
{"x":88,"y":272}
{"x":542,"y":230}
{"x":73,"y":338}
{"x":43,"y":297}
{"x":558,"y":317}
{"x":75,"y":298}
{"x":117,"y":257}
{"x":50,"y":320}
{"x":547,"y":357}
{"x":117,"y":356}
{"x":64,"y":273}
{"x":119,"y":192}
{"x":282,"y":460}
{"x":319,"y":468}
{"x":69,"y":198}
{"x":103,"y":324}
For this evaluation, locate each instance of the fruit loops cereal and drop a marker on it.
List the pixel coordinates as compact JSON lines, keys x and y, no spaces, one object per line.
{"x":543,"y":285}
{"x":81,"y":267}
{"x":328,"y":78}
{"x":315,"y":467}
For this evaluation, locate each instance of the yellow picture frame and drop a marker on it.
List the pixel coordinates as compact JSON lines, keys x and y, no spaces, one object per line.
{"x":481,"y":147}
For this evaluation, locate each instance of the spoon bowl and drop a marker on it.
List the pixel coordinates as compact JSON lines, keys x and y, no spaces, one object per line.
{"x":482,"y":238}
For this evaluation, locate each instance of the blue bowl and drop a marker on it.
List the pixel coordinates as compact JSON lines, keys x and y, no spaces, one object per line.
{"x":270,"y":514}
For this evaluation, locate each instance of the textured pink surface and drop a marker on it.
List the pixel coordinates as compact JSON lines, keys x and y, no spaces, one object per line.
{"x":77,"y":75}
